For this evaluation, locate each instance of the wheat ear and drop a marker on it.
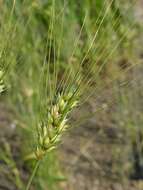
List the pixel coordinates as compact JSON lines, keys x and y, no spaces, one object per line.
{"x":50,"y":131}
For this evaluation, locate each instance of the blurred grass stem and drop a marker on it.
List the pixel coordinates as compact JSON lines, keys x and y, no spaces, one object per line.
{"x":33,"y":174}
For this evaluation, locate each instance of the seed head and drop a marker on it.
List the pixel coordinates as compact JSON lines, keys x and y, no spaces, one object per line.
{"x":50,"y":132}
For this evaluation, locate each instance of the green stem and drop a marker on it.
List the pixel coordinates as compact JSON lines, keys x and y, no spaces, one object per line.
{"x":33,"y":175}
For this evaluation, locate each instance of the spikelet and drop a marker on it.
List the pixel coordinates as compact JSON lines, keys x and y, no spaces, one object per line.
{"x":50,"y":132}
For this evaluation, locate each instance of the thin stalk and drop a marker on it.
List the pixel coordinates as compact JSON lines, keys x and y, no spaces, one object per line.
{"x":33,"y":175}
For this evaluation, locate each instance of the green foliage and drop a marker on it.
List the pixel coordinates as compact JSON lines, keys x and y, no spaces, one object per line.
{"x":1,"y":82}
{"x":131,"y":119}
{"x":7,"y":157}
{"x":49,"y":174}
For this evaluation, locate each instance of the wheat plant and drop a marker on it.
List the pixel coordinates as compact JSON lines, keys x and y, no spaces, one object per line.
{"x":62,"y":56}
{"x":51,"y":130}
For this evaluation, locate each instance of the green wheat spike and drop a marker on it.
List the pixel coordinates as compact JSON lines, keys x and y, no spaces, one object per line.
{"x":50,"y":132}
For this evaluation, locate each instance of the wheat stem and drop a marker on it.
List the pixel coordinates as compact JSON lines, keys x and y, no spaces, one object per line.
{"x":33,"y":174}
